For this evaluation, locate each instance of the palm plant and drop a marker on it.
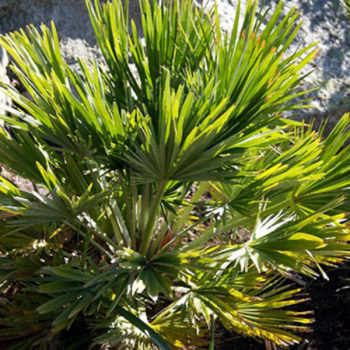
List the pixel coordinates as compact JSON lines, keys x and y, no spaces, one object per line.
{"x":166,"y":192}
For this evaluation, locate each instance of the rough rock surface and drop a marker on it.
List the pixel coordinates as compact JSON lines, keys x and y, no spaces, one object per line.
{"x":324,"y":20}
{"x":7,"y":3}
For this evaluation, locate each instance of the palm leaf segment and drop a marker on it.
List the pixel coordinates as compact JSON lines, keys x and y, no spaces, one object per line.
{"x":168,"y":193}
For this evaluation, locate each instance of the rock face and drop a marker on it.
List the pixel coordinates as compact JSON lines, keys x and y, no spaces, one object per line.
{"x":324,"y":20}
{"x":7,"y":3}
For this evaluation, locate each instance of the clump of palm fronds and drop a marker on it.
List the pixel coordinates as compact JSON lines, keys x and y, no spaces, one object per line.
{"x":143,"y":181}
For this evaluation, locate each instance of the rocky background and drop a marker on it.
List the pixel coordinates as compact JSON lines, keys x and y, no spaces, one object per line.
{"x":324,"y":20}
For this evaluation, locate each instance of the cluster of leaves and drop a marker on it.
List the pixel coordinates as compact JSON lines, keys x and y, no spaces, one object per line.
{"x":169,"y":194}
{"x":347,"y":7}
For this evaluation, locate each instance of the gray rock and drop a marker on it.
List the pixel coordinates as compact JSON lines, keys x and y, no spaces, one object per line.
{"x":8,"y":3}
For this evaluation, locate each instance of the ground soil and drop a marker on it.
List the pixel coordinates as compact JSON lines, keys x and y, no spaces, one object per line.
{"x":331,"y":330}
